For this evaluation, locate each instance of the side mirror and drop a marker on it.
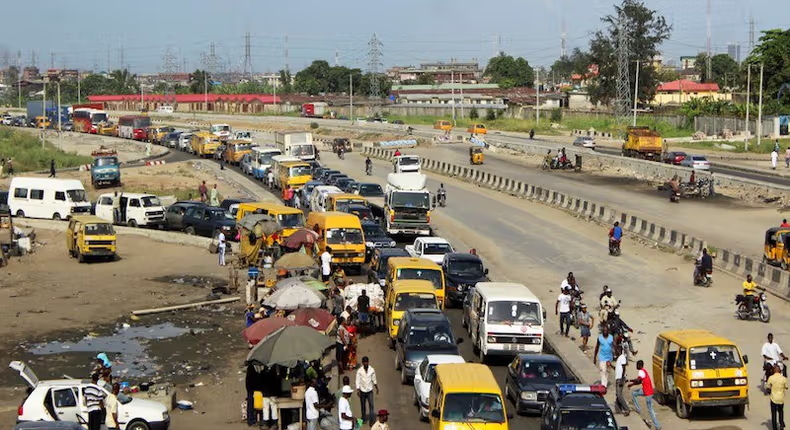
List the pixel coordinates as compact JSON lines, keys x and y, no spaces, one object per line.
{"x":544,"y":314}
{"x":435,"y":413}
{"x":459,"y":340}
{"x":509,"y":415}
{"x":745,"y":359}
{"x":485,"y":272}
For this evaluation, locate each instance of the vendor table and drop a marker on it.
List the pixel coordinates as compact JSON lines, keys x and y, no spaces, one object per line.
{"x":289,"y":403}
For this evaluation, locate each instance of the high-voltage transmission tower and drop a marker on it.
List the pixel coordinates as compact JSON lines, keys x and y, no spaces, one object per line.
{"x":622,"y":103}
{"x":247,"y":66}
{"x":374,"y":67}
{"x":169,"y":69}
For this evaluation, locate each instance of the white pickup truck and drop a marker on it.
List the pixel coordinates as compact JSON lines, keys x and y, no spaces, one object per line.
{"x":432,"y":248}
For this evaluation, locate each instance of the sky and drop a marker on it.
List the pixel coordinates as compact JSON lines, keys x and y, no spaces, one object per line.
{"x":82,"y":34}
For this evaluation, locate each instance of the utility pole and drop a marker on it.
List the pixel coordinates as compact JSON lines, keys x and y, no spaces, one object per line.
{"x":247,"y":56}
{"x":537,"y":98}
{"x":205,"y":89}
{"x":751,"y":35}
{"x":636,"y":90}
{"x":19,"y":77}
{"x":79,"y":89}
{"x":623,"y":77}
{"x":452,"y":91}
{"x":274,"y":86}
{"x":710,"y":53}
{"x":51,"y":60}
{"x":60,"y":125}
{"x":44,"y":111}
{"x":285,"y":52}
{"x":461,"y":87}
{"x":760,"y":110}
{"x":351,"y":97}
{"x":748,"y":102}
{"x":374,"y":67}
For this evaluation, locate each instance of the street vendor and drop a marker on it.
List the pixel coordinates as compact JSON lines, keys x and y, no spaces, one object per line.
{"x":339,"y":277}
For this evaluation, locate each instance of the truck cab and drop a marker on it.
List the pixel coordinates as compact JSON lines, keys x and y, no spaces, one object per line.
{"x":407,"y":204}
{"x":406,"y":164}
{"x":106,"y":170}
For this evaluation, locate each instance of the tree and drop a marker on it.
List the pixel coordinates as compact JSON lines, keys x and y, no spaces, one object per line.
{"x":724,"y":70}
{"x":667,"y":74}
{"x":473,"y":114}
{"x":646,"y":31}
{"x":577,"y":63}
{"x":199,"y":82}
{"x":773,"y":52}
{"x":385,"y":85}
{"x":426,"y":79}
{"x":510,"y":72}
{"x":124,"y":82}
{"x":286,"y":82}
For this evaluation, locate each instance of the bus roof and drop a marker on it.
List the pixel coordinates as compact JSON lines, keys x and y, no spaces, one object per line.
{"x":505,"y":291}
{"x":346,"y":196}
{"x":413,"y":286}
{"x":90,"y":219}
{"x":466,"y":378}
{"x":421,"y":263}
{"x":692,"y":338}
{"x":269,"y":206}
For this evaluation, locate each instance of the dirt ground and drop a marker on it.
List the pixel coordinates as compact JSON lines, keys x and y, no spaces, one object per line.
{"x":84,"y":144}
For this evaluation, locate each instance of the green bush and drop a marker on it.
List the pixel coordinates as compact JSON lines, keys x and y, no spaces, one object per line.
{"x":314,"y":125}
{"x":556,"y":115}
{"x":490,"y":115}
{"x":28,"y":154}
{"x":473,"y":114}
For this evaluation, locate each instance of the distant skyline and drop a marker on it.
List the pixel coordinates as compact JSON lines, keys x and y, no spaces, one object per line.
{"x":411,"y":31}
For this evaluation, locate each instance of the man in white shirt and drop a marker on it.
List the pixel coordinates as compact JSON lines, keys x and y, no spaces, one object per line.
{"x":366,"y":382}
{"x":111,"y":406}
{"x":311,"y":405}
{"x":621,"y":405}
{"x":345,"y":418}
{"x":221,"y":247}
{"x":567,"y":281}
{"x":772,"y":354}
{"x":326,"y":264}
{"x":563,"y":308}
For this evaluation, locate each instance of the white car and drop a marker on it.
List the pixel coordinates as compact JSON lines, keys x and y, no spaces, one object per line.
{"x":165,"y":109}
{"x":424,"y":375}
{"x":431,"y":247}
{"x":696,"y":162}
{"x":585,"y":142}
{"x":64,"y":400}
{"x":185,"y":142}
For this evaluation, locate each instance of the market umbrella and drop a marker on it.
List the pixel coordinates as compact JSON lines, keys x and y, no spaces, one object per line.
{"x":319,"y":319}
{"x":294,"y":297}
{"x":301,"y":237}
{"x":295,"y":261}
{"x":302,"y":281}
{"x":289,"y":345}
{"x":265,"y":327}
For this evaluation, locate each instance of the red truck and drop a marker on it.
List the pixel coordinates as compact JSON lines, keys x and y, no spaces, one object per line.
{"x":315,"y":110}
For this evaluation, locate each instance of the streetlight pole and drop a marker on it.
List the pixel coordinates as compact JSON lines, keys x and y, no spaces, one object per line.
{"x":636,"y":90}
{"x":760,"y":109}
{"x":79,"y":89}
{"x":452,"y":91}
{"x":351,"y":97}
{"x":60,"y":116}
{"x":748,"y":101}
{"x":205,"y":89}
{"x":537,"y":98}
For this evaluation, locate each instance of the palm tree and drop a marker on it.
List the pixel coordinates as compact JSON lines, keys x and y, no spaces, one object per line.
{"x":198,"y":80}
{"x":124,"y":82}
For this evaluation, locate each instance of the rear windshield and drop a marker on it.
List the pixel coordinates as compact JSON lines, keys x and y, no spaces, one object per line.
{"x":406,"y":301}
{"x":435,"y":276}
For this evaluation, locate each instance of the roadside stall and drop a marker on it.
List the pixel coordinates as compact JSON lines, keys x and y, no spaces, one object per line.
{"x":351,"y":295}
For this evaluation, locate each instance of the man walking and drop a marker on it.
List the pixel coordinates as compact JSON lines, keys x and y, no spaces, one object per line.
{"x":646,"y":391}
{"x":94,"y":401}
{"x":111,"y":405}
{"x":603,"y":354}
{"x":366,"y":382}
{"x":340,"y":344}
{"x":345,"y":417}
{"x":203,"y":191}
{"x":787,"y":157}
{"x":774,"y":158}
{"x":363,"y":311}
{"x":116,"y":208}
{"x":221,"y":247}
{"x":778,"y":385}
{"x":585,"y":325}
{"x":621,"y":405}
{"x":326,"y":264}
{"x":52,"y":168}
{"x":214,"y":199}
{"x":563,"y":308}
{"x":311,"y":405}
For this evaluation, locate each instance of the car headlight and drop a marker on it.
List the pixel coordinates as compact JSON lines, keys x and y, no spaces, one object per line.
{"x":226,"y":227}
{"x":370,"y":244}
{"x":393,"y":243}
{"x":529,"y":395}
{"x":361,"y":254}
{"x":699,"y":384}
{"x":491,"y":339}
{"x":411,"y":364}
{"x":165,"y":415}
{"x":740,"y":381}
{"x":382,"y":282}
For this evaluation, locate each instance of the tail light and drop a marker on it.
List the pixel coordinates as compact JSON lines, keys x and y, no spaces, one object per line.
{"x":20,"y":410}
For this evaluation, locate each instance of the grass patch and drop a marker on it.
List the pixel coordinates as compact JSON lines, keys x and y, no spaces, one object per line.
{"x":28,"y":154}
{"x":766,"y":147}
{"x":161,"y":190}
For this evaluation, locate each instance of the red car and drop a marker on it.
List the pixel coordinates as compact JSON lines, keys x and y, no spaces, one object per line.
{"x":674,"y":157}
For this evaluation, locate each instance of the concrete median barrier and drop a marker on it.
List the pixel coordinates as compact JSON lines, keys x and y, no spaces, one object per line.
{"x":775,"y":279}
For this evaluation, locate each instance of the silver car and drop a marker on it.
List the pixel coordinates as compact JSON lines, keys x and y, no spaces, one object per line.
{"x":585,"y":142}
{"x":696,"y":162}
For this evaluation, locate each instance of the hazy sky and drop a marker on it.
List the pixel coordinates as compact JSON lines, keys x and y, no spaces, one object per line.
{"x":412,"y":31}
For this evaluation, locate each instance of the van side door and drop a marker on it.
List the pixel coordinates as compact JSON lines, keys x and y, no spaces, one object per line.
{"x":659,"y":362}
{"x":104,"y":208}
{"x":474,"y":316}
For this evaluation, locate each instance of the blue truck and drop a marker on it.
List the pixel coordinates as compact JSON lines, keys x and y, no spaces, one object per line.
{"x":106,"y":169}
{"x":35,"y":108}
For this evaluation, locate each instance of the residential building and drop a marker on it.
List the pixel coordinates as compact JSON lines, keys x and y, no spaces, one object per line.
{"x":734,"y":51}
{"x":681,"y":91}
{"x":30,"y":74}
{"x":463,"y":72}
{"x":687,"y":62}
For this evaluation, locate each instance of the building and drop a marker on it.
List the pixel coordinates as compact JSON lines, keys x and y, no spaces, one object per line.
{"x":463,"y":72}
{"x":688,"y":63}
{"x":30,"y":74}
{"x":734,"y":51}
{"x":681,"y":91}
{"x":221,"y":103}
{"x":63,"y":74}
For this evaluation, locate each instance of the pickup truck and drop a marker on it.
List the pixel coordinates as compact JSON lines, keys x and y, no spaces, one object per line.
{"x":432,"y":248}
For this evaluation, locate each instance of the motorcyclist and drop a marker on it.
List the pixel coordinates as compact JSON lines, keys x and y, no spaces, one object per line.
{"x":772,"y":354}
{"x":608,"y":303}
{"x":617,"y":326}
{"x":616,"y":233}
{"x":368,"y":165}
{"x":397,"y":152}
{"x":563,"y":157}
{"x":704,"y":264}
{"x":674,"y":187}
{"x":749,"y":287}
{"x":409,"y":131}
{"x":441,"y":193}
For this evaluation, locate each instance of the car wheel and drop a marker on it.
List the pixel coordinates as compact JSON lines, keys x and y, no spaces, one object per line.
{"x":190,"y":230}
{"x":132,"y":223}
{"x":20,"y":214}
{"x":80,"y":257}
{"x":56,"y":216}
{"x":138,"y":425}
{"x":404,"y":380}
{"x":397,"y":362}
{"x":681,"y":408}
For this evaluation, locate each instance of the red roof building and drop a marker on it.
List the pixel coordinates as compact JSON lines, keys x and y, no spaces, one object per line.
{"x":686,"y":86}
{"x":223,"y":103}
{"x":681,"y":91}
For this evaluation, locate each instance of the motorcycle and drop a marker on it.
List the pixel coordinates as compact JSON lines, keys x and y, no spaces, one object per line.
{"x":557,"y":164}
{"x":768,"y":370}
{"x":341,"y":154}
{"x":614,"y":247}
{"x":441,"y":199}
{"x":759,"y":308}
{"x":674,"y":196}
{"x":409,"y":131}
{"x":703,"y":278}
{"x":621,"y":332}
{"x":576,"y":307}
{"x":368,"y":169}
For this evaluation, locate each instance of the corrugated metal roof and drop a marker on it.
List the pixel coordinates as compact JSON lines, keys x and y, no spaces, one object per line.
{"x":189,"y":98}
{"x":687,"y":86}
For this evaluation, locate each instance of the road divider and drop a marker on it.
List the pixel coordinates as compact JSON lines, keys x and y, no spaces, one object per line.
{"x":773,"y":278}
{"x":154,"y":162}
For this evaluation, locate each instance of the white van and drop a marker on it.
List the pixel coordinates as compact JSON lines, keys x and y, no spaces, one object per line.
{"x":262,"y":161}
{"x":165,"y":109}
{"x":406,"y":164}
{"x":319,"y":195}
{"x":277,"y":160}
{"x":47,"y":198}
{"x":504,"y":319}
{"x":64,"y":400}
{"x":135,"y":209}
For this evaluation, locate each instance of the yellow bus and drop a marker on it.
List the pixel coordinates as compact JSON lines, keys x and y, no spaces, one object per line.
{"x":342,"y":233}
{"x":466,"y":395}
{"x":399,"y":268}
{"x":290,"y":219}
{"x":204,"y":144}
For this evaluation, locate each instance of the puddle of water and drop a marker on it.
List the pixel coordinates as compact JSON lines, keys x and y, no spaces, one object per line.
{"x":127,"y":348}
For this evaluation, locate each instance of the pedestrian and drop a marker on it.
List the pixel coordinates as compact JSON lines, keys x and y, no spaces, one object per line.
{"x":270,"y":178}
{"x":10,"y":166}
{"x":111,"y":407}
{"x":251,"y":381}
{"x":52,"y":168}
{"x":339,"y":394}
{"x":777,"y":383}
{"x":326,"y":264}
{"x":297,"y":200}
{"x":345,"y":417}
{"x":2,"y":166}
{"x":784,"y":223}
{"x":381,"y":424}
{"x":221,"y":247}
{"x":148,"y":148}
{"x":203,"y":191}
{"x":337,"y":302}
{"x":116,"y":208}
{"x":603,"y":354}
{"x":366,"y":382}
{"x":774,"y":158}
{"x":363,"y":312}
{"x":214,"y":199}
{"x":563,"y":308}
{"x":94,"y":401}
{"x":311,"y":405}
{"x":621,"y":405}
{"x":776,"y":145}
{"x":787,"y":157}
{"x":270,"y":389}
{"x":340,"y":344}
{"x":585,"y":322}
{"x":646,"y":391}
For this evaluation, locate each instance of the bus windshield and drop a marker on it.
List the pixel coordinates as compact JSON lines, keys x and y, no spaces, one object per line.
{"x":411,"y":200}
{"x":435,"y":276}
{"x":290,"y":220}
{"x":300,"y":171}
{"x":475,"y":407}
{"x":714,"y":357}
{"x":266,"y":157}
{"x":340,"y":236}
{"x":513,"y":312}
{"x":150,"y":201}
{"x":98,"y":229}
{"x":98,"y":117}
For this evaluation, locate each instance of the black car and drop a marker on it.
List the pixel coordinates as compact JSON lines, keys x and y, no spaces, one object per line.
{"x":363,"y":212}
{"x":462,"y":271}
{"x":4,"y":201}
{"x":232,"y":205}
{"x":325,"y":174}
{"x":422,"y":332}
{"x":208,"y":221}
{"x":171,"y":139}
{"x":175,"y":213}
{"x":397,"y":121}
{"x":377,"y":272}
{"x":375,"y":238}
{"x":67,"y":126}
{"x":571,"y":406}
{"x":333,"y":178}
{"x":370,"y":190}
{"x":530,"y":377}
{"x":344,"y":183}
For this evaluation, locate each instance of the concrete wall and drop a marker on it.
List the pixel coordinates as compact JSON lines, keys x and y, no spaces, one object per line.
{"x":775,"y":279}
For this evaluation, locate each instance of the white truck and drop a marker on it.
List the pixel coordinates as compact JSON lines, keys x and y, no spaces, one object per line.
{"x":296,"y":144}
{"x":432,"y":248}
{"x":406,"y":164}
{"x":407,"y":204}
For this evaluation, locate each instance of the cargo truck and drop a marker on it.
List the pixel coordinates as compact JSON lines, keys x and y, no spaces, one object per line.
{"x":35,"y":108}
{"x":407,"y":204}
{"x":642,"y":142}
{"x":315,"y":110}
{"x":106,"y":169}
{"x":296,"y":144}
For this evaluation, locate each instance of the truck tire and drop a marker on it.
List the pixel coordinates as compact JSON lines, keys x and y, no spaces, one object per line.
{"x":80,"y":257}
